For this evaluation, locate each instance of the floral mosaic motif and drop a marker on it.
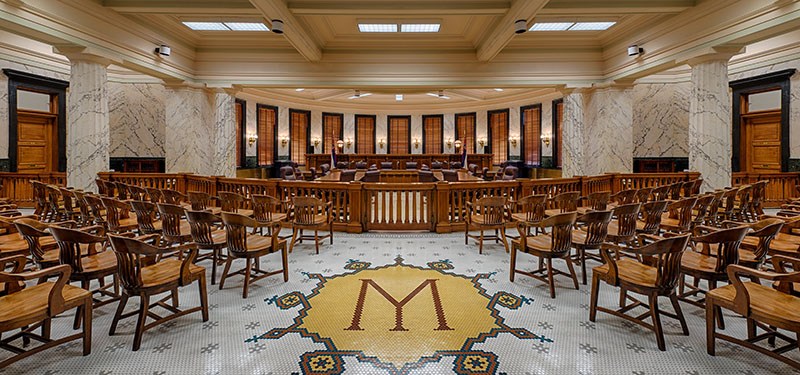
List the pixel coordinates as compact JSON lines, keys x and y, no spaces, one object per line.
{"x":322,"y":363}
{"x":355,"y":265}
{"x":287,"y":301}
{"x":510,"y":301}
{"x":475,"y":363}
{"x":444,"y":264}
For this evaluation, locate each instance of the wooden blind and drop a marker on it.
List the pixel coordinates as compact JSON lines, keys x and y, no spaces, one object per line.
{"x":498,"y":128}
{"x":556,"y":137}
{"x":331,"y":130}
{"x":399,"y":135}
{"x":531,"y":134}
{"x":267,"y":123}
{"x":465,"y":130}
{"x":432,"y":129}
{"x":239,"y":134}
{"x":365,"y":135}
{"x":299,"y":123}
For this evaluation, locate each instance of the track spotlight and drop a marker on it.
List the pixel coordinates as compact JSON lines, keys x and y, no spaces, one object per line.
{"x":163,"y":50}
{"x":635,"y":50}
{"x":520,"y":26}
{"x":277,"y":26}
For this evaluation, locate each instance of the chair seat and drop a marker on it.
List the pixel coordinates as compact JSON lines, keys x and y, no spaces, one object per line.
{"x":693,"y":260}
{"x":277,"y":216}
{"x":9,"y":248}
{"x":166,"y":271}
{"x":480,"y":220}
{"x":102,"y":261}
{"x":632,"y":271}
{"x":539,"y":243}
{"x":128,"y":223}
{"x":520,"y":216}
{"x":669,"y":222}
{"x":52,"y":256}
{"x":316,"y":220}
{"x":184,"y":229}
{"x":765,"y":302}
{"x":245,"y":212}
{"x":12,"y":237}
{"x":30,"y":304}
{"x":553,"y":211}
{"x":256,"y":243}
{"x":613,"y":229}
{"x":786,"y":237}
{"x":579,"y":237}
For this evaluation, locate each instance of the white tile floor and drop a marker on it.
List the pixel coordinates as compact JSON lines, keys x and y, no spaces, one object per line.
{"x":568,"y":344}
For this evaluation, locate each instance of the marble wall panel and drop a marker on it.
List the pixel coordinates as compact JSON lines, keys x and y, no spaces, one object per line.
{"x":513,"y":131}
{"x":136,"y":119}
{"x":87,"y":124}
{"x":608,"y":131}
{"x":251,"y":123}
{"x":381,"y":133}
{"x":416,"y":134}
{"x":188,"y":131}
{"x":661,"y":120}
{"x":481,"y":129}
{"x":449,"y":131}
{"x":349,"y":132}
{"x":283,"y":131}
{"x":710,"y":124}
{"x":316,"y":130}
{"x":547,"y":127}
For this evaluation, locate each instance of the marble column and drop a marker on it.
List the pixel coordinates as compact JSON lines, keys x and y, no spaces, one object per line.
{"x":608,"y":130}
{"x":573,"y":161}
{"x":710,"y":121}
{"x":88,"y":136}
{"x":188,"y":146}
{"x":224,"y":141}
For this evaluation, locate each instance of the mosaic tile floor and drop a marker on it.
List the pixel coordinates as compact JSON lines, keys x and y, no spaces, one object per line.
{"x":399,"y":304}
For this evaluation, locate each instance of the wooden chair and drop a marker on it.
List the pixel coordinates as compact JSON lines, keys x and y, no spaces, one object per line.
{"x":591,"y":231}
{"x":756,"y":207}
{"x":137,"y":193}
{"x":728,"y":205}
{"x":767,"y":307}
{"x":742,"y":208}
{"x":155,"y":195}
{"x":530,"y":211}
{"x":597,"y":201}
{"x":623,"y":230}
{"x":71,"y":209}
{"x":28,"y":308}
{"x":233,"y":202}
{"x":41,"y":245}
{"x":108,"y":188}
{"x":12,"y":243}
{"x":713,"y":209}
{"x":174,"y":230}
{"x":265,"y":209}
{"x":86,"y":216}
{"x":41,"y":208}
{"x":718,"y":250}
{"x":311,"y":213}
{"x":564,"y":202}
{"x":655,"y":276}
{"x":118,"y":216}
{"x":555,"y":245}
{"x":660,"y":193}
{"x":95,"y":204}
{"x":97,"y":264}
{"x":688,"y":188}
{"x":678,"y":219}
{"x":625,"y":196}
{"x":756,"y":245}
{"x":487,"y":213}
{"x":122,"y":190}
{"x":146,"y":217}
{"x":56,"y":203}
{"x":643,"y":195}
{"x":208,"y":233}
{"x":201,"y":201}
{"x":675,"y":190}
{"x":243,"y":245}
{"x":173,"y":197}
{"x":142,"y":274}
{"x":650,"y":223}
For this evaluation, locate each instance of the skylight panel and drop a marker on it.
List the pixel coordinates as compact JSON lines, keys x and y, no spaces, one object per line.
{"x":377,"y":27}
{"x":247,"y":26}
{"x":206,"y":26}
{"x":419,"y":28}
{"x":551,"y":26}
{"x":591,"y":26}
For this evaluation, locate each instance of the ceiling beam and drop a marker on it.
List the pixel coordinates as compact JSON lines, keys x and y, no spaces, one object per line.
{"x":595,"y":7}
{"x":331,"y":94}
{"x":192,"y":7}
{"x":375,"y":7}
{"x":503,"y":31}
{"x":297,"y":36}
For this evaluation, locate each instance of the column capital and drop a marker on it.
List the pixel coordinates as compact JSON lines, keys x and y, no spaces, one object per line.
{"x":177,"y":85}
{"x":80,"y":53}
{"x":719,"y":53}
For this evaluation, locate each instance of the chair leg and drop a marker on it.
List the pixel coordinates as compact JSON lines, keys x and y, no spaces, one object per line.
{"x":174,"y":294}
{"x":513,"y":262}
{"x":593,"y":301}
{"x":201,"y":283}
{"x":144,"y":306}
{"x":246,"y":276}
{"x":550,"y":278}
{"x":712,"y":284}
{"x":285,"y":263}
{"x":582,"y":255}
{"x":294,"y":239}
{"x":123,"y":300}
{"x":623,"y":296}
{"x":466,"y":233}
{"x":656,"y":317}
{"x":505,"y":240}
{"x":711,"y":329}
{"x":677,"y":306}
{"x":480,"y":244}
{"x":330,"y":230}
{"x":87,"y":327}
{"x":225,"y":271}
{"x":572,"y":273}
{"x":215,"y":252}
{"x":316,"y":240}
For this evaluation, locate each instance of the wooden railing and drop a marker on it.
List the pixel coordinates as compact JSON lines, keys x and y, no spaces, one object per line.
{"x":780,"y":186}
{"x":18,"y":187}
{"x":432,"y":206}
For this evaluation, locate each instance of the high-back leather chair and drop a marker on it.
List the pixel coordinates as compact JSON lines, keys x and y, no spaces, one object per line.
{"x":386,"y":165}
{"x":510,"y":173}
{"x":411,"y":165}
{"x":361,"y":164}
{"x":287,"y":173}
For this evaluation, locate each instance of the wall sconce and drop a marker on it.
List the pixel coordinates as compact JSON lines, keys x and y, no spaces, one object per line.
{"x":340,"y":144}
{"x":513,"y":141}
{"x":349,"y":142}
{"x":546,"y":139}
{"x":381,"y":143}
{"x":482,"y":142}
{"x":284,"y":141}
{"x":316,"y":142}
{"x":251,"y":138}
{"x":416,"y":142}
{"x":458,"y":144}
{"x":449,"y":142}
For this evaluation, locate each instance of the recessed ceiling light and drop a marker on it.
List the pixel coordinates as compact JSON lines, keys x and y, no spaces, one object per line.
{"x":299,"y":89}
{"x":398,"y":97}
{"x":591,"y":26}
{"x":551,"y":26}
{"x":498,"y":90}
{"x":377,"y":27}
{"x":419,"y":28}
{"x":247,"y":26}
{"x":206,"y":26}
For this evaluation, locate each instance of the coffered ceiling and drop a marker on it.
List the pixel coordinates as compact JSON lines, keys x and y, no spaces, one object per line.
{"x":474,"y":51}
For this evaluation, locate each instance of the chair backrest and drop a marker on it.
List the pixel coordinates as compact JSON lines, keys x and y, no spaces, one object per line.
{"x":701,"y":208}
{"x":688,"y":188}
{"x":69,"y":243}
{"x":101,"y":186}
{"x":386,"y":165}
{"x":596,"y":226}
{"x":598,"y":200}
{"x":173,"y":196}
{"x":643,"y":195}
{"x":236,"y":231}
{"x":264,"y":206}
{"x":745,"y":198}
{"x":426,"y":176}
{"x":626,"y":215}
{"x":116,"y":210}
{"x":625,"y":196}
{"x":450,"y":175}
{"x":68,"y":198}
{"x":325,"y":168}
{"x":561,"y":231}
{"x":510,"y":173}
{"x":411,"y":165}
{"x":758,"y":196}
{"x":202,"y":225}
{"x":53,"y":198}
{"x":132,"y":255}
{"x":491,"y":209}
{"x":533,"y":206}
{"x":651,"y":215}
{"x":713,"y":208}
{"x":122,"y":190}
{"x":456,"y":165}
{"x":347,"y":175}
{"x":39,"y":197}
{"x":371,"y":176}
{"x":567,"y":201}
{"x":171,"y":215}
{"x":95,"y":203}
{"x":145,"y":215}
{"x":199,"y":200}
{"x":726,"y":241}
{"x":660,"y":193}
{"x":137,"y":193}
{"x":287,"y":173}
{"x":665,"y":255}
{"x":361,"y":164}
{"x":765,"y":230}
{"x":156,"y":196}
{"x":306,"y":209}
{"x":231,"y":202}
{"x":31,"y":231}
{"x":86,"y":211}
{"x":436,"y":164}
{"x":675,"y":190}
{"x":473,"y":169}
{"x":342,"y":165}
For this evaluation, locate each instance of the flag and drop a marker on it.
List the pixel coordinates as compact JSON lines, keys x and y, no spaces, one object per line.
{"x":333,"y":156}
{"x":464,"y":156}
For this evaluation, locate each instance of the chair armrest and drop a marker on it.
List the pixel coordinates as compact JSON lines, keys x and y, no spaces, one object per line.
{"x":186,"y":278}
{"x":18,"y":262}
{"x":742,"y":297}
{"x":71,"y":224}
{"x":55,"y":300}
{"x":97,"y":230}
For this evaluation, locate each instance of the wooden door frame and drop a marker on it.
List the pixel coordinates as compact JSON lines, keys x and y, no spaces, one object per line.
{"x":22,"y":80}
{"x":555,"y":131}
{"x":522,"y":144}
{"x":776,"y":80}
{"x":259,"y":106}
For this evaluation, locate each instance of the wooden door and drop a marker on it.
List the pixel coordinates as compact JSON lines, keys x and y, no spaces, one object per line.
{"x":36,"y":142}
{"x":761,"y":142}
